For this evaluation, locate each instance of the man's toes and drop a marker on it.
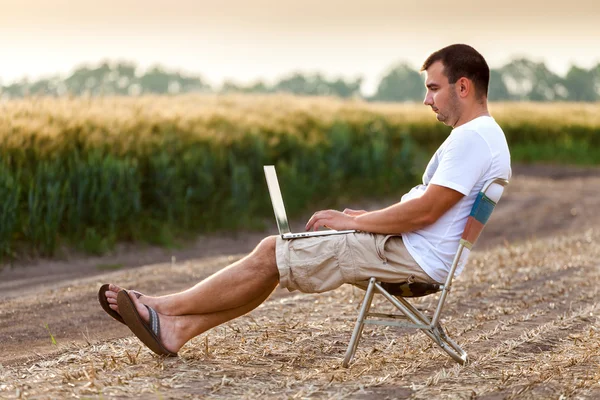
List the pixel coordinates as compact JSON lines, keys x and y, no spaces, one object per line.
{"x":113,"y":288}
{"x":111,"y":293}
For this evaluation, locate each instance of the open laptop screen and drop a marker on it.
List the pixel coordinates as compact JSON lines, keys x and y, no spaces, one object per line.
{"x":277,"y":200}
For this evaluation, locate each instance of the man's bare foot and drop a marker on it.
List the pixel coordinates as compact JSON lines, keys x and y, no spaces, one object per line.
{"x":111,"y":297}
{"x":170,"y":326}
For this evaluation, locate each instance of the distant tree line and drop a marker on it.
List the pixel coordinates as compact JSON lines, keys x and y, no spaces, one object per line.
{"x":108,"y":79}
{"x":519,"y":80}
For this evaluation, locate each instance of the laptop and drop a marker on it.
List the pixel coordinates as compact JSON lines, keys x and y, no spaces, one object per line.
{"x":280,"y":215}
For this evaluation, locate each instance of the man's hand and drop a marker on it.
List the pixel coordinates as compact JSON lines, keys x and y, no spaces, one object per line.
{"x":331,"y":219}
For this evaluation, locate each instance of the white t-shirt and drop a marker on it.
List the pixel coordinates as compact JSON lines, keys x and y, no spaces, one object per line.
{"x":472,"y":154}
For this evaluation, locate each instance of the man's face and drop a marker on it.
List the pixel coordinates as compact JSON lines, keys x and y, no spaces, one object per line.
{"x":441,"y":95}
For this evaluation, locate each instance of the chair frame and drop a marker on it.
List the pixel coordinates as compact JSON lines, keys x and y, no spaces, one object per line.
{"x":431,"y":327}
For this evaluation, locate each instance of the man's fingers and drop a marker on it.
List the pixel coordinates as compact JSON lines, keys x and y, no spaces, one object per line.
{"x":319,"y":219}
{"x":312,"y":221}
{"x":315,"y":223}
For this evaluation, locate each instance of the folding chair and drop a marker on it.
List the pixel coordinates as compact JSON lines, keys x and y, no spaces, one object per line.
{"x":397,"y":292}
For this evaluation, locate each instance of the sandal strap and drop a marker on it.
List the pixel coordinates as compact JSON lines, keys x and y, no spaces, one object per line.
{"x":154,"y":321}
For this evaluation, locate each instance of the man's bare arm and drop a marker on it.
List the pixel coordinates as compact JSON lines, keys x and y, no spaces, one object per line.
{"x":400,"y":217}
{"x":412,"y":214}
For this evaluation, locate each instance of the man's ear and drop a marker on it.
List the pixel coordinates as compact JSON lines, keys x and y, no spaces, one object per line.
{"x":464,"y":87}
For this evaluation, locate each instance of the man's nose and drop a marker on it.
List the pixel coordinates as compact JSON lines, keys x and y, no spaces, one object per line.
{"x":428,"y":101}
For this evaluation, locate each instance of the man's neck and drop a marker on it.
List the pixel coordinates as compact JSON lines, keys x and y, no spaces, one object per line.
{"x":473,"y":113}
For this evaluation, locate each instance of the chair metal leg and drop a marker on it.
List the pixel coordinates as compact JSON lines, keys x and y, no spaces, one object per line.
{"x":435,"y":332}
{"x":438,"y":335}
{"x":414,"y":310}
{"x":364,"y":309}
{"x":449,"y":345}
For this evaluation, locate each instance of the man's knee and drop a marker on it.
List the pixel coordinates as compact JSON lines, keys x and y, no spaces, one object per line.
{"x":267,"y":246}
{"x":265,"y":252}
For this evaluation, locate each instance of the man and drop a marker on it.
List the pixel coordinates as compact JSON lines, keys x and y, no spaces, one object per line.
{"x":413,"y":240}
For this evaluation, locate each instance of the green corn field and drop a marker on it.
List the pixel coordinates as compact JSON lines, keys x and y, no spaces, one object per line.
{"x":88,"y":172}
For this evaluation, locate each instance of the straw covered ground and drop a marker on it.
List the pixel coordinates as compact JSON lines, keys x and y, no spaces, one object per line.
{"x":526,"y":310}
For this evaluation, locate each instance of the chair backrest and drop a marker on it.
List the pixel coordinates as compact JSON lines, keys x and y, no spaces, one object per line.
{"x":480,"y":214}
{"x":482,"y":210}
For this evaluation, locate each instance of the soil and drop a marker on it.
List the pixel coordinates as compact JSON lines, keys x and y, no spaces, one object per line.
{"x":57,"y":297}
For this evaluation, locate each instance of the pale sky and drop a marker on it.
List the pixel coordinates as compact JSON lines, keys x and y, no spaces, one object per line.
{"x":245,"y":40}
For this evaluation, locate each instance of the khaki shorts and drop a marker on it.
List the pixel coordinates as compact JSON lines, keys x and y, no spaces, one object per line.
{"x":319,"y":264}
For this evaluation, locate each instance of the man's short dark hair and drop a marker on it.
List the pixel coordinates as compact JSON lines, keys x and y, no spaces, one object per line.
{"x":461,"y":60}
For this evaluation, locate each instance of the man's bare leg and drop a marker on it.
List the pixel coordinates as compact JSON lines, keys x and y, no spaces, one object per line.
{"x":175,"y":331}
{"x":232,"y":287}
{"x":228,"y":294}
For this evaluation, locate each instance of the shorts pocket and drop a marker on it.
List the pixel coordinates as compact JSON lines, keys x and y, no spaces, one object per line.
{"x":311,"y":250}
{"x":380,"y":241}
{"x":314,"y":264}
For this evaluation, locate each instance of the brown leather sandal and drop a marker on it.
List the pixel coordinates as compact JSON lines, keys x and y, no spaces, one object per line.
{"x":147,"y":332}
{"x":106,"y":306}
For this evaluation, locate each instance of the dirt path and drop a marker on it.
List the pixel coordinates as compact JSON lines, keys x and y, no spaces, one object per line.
{"x":540,"y":202}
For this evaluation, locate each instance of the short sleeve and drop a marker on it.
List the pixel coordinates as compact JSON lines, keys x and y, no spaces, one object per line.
{"x":466,"y":157}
